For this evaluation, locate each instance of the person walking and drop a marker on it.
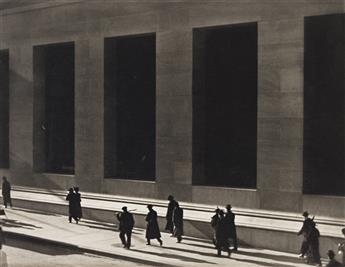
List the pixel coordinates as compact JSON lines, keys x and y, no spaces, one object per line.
{"x":307,"y":225}
{"x":72,"y":205}
{"x":169,"y":216}
{"x":332,"y":262}
{"x":231,"y":227}
{"x":6,"y":192}
{"x":152,"y":228}
{"x":178,"y":222}
{"x":214,"y":224}
{"x":313,"y":255}
{"x":222,"y":240}
{"x":79,"y":212}
{"x":126,"y":226}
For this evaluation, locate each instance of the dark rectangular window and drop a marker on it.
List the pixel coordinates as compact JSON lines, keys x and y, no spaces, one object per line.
{"x":225,"y":105}
{"x":4,"y":109}
{"x":324,"y":105}
{"x":130,"y":107}
{"x":54,"y":93}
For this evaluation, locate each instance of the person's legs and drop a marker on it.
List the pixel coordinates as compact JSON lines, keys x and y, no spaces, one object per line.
{"x":122,"y":237}
{"x":148,"y":242}
{"x":129,"y":237}
{"x":160,"y":241}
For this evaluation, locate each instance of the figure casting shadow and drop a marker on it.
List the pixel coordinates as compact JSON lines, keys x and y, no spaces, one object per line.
{"x":17,"y":224}
{"x":269,"y":256}
{"x":171,"y":256}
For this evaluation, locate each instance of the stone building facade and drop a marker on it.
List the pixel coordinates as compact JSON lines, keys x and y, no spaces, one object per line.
{"x":87,"y":24}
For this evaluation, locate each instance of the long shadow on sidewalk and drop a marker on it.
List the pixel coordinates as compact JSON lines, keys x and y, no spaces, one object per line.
{"x":192,"y":251}
{"x":166,"y":255}
{"x":269,"y":256}
{"x":17,"y":224}
{"x":260,"y":263}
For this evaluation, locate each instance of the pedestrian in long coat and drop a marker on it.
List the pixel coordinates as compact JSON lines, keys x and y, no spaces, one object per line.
{"x":222,"y":241}
{"x":307,"y":225}
{"x":72,"y":205}
{"x":79,"y":212}
{"x":126,"y":226}
{"x":214,"y":223}
{"x":231,"y":227}
{"x":178,"y":222}
{"x":169,"y":216}
{"x":313,"y":255}
{"x":152,"y":228}
{"x":6,"y":192}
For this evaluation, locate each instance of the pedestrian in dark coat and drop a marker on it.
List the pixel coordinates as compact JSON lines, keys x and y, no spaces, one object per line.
{"x":214,"y":223}
{"x":307,"y":225}
{"x":169,"y":216}
{"x":222,"y":241}
{"x":126,"y":226}
{"x":332,"y":262}
{"x":79,"y":212}
{"x":178,"y":222}
{"x":313,"y":255}
{"x":152,"y":228}
{"x":231,"y":227}
{"x":6,"y":192}
{"x":72,"y":205}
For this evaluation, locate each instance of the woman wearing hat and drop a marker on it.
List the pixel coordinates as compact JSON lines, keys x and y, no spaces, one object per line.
{"x":152,"y":228}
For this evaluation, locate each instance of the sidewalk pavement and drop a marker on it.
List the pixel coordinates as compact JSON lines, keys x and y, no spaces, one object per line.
{"x":102,"y":239}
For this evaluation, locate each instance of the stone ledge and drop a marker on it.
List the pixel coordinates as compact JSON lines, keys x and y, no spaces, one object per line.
{"x":247,"y":218}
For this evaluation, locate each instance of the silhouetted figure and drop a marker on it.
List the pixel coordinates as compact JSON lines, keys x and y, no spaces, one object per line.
{"x":231,"y":227}
{"x":178,"y":222}
{"x":313,"y":255}
{"x":341,"y":247}
{"x":332,"y":262}
{"x":169,"y":216}
{"x":72,"y":205}
{"x":222,"y":240}
{"x":214,"y":223}
{"x":152,"y":228}
{"x":6,"y":192}
{"x":79,"y":212}
{"x":126,"y":226}
{"x":307,"y":225}
{"x":2,"y":238}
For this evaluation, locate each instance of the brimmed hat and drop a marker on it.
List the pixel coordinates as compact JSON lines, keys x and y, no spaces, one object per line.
{"x":305,"y":214}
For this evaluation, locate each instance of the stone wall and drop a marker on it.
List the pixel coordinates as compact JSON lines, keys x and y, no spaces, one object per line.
{"x":87,"y":23}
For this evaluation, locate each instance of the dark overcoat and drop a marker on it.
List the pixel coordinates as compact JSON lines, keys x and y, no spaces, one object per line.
{"x":126,"y":221}
{"x":79,"y":212}
{"x":152,"y":228}
{"x":72,"y":204}
{"x":178,"y":221}
{"x":169,"y":216}
{"x":6,"y":191}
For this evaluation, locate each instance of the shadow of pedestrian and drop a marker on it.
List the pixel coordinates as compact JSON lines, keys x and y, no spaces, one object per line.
{"x":180,"y":257}
{"x":17,"y":224}
{"x":269,"y":256}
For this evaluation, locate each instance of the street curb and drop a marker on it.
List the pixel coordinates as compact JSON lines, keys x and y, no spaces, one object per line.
{"x":79,"y":249}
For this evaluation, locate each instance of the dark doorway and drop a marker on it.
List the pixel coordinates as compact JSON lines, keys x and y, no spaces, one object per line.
{"x":225,"y":105}
{"x":324,"y":105}
{"x":4,"y":109}
{"x":54,"y":68}
{"x":130,"y":107}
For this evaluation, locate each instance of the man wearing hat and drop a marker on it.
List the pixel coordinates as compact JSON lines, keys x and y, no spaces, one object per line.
{"x":126,"y":226}
{"x":231,"y":227}
{"x":307,"y":225}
